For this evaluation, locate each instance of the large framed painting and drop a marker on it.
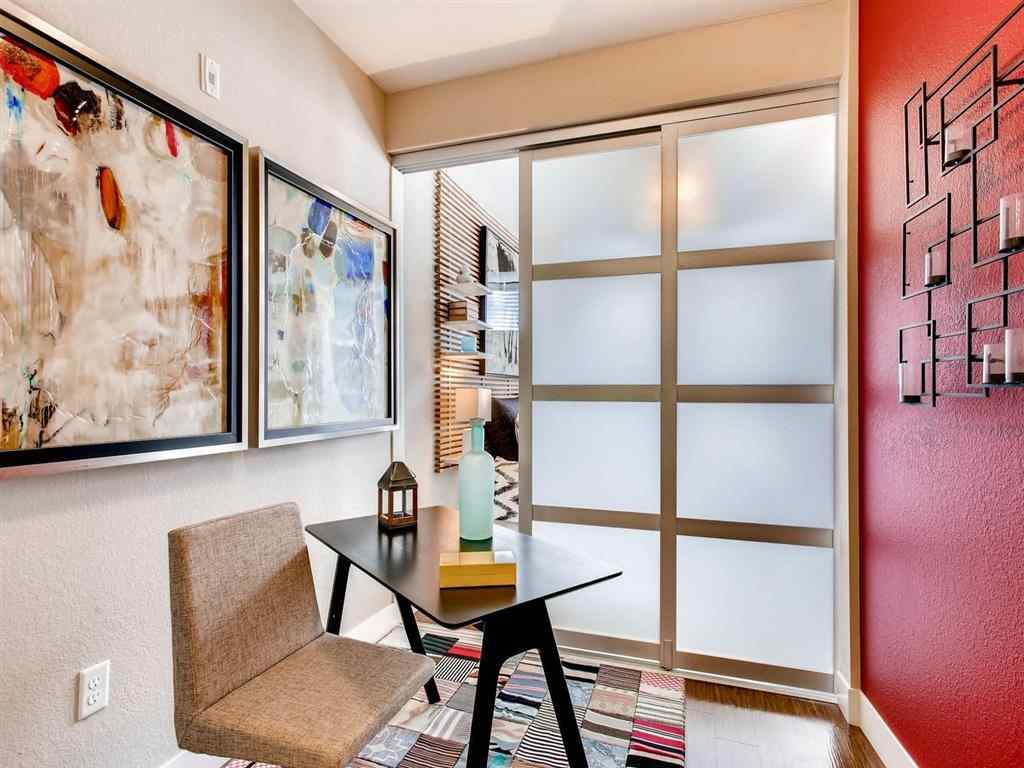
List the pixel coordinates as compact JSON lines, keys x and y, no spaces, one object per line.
{"x":122,"y":296}
{"x":327,"y":342}
{"x":499,"y":265}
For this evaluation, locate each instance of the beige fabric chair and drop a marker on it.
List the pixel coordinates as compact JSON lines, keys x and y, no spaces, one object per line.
{"x":255,"y":676}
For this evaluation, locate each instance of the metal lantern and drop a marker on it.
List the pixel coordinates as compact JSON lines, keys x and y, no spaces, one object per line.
{"x":396,"y":483}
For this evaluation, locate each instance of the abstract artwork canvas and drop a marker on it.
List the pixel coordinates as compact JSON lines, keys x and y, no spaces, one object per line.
{"x":500,"y":309}
{"x":327,"y":323}
{"x":119,"y":266}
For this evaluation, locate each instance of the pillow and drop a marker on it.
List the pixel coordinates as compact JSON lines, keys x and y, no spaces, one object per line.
{"x":500,"y":432}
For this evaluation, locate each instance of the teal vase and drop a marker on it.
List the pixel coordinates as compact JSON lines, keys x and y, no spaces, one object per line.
{"x":476,"y":489}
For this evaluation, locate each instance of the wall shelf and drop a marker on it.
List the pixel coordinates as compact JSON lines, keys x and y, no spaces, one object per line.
{"x":470,"y":290}
{"x":465,"y":356}
{"x":467,"y":326}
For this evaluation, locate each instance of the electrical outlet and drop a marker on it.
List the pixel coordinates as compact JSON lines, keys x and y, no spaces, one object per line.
{"x":209,"y":76}
{"x":93,"y":689}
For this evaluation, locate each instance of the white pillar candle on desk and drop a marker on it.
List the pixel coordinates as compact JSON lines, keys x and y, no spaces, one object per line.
{"x":1011,"y":223}
{"x":1014,"y":355}
{"x":992,"y":371}
{"x":957,"y":145}
{"x":934,"y":269}
{"x":910,"y":385}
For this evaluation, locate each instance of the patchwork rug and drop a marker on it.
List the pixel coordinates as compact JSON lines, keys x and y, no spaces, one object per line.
{"x":629,"y":718}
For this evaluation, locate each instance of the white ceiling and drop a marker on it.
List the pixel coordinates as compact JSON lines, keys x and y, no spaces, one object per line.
{"x":404,"y":44}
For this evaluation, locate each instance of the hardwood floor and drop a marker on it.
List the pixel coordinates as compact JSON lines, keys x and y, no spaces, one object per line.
{"x":730,"y":727}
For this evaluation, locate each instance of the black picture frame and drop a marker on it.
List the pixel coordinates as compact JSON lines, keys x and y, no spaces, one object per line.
{"x":74,"y":56}
{"x":263,"y":168}
{"x":507,"y":317}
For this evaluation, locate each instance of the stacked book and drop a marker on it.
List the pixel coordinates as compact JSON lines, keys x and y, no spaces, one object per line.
{"x":463,"y":310}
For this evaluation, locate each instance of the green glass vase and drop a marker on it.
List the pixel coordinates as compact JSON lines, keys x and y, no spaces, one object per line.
{"x":476,"y":489}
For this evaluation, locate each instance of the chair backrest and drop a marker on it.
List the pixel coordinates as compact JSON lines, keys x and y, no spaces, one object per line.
{"x":242,"y":599}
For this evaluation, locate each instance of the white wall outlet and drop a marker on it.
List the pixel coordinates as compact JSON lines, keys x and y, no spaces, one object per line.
{"x":93,"y":689}
{"x":209,"y":76}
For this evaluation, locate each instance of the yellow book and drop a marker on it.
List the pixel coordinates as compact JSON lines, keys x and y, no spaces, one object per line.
{"x":491,"y":568}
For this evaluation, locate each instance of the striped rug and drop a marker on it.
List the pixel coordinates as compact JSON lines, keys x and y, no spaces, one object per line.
{"x":629,"y":717}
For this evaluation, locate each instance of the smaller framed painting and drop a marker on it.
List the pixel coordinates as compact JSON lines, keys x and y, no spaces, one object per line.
{"x":499,"y":265}
{"x":325,"y":347}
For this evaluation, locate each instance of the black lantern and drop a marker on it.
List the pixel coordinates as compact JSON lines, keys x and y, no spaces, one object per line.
{"x":396,"y":482}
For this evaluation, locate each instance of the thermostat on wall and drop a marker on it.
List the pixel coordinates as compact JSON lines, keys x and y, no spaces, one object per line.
{"x":209,"y":76}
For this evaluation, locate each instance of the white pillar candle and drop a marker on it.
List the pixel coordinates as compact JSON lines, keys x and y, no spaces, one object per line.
{"x":909,"y":385}
{"x":992,"y":371}
{"x":1014,"y":355}
{"x":934,"y":269}
{"x":1011,"y":222}
{"x":957,"y":144}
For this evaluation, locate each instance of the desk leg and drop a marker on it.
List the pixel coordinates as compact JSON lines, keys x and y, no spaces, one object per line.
{"x":416,"y":643}
{"x":338,"y":595}
{"x":505,"y":634}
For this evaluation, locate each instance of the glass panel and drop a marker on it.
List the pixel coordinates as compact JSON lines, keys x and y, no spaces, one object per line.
{"x":598,"y":330}
{"x":597,"y":206}
{"x":741,"y":462}
{"x":759,"y":185}
{"x":769,"y":603}
{"x":597,"y":455}
{"x":764,"y":324}
{"x":624,"y":607}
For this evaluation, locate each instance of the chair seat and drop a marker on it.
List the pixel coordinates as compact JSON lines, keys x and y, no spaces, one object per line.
{"x":314,"y":709}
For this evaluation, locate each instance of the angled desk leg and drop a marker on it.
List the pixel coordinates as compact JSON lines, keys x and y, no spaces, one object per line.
{"x":513,"y":631}
{"x":416,"y":643}
{"x":338,"y":595}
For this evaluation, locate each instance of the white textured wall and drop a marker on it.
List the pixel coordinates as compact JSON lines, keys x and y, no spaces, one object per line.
{"x":83,"y":563}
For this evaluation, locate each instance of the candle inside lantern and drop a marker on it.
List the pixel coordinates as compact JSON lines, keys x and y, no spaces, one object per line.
{"x":934,"y":269}
{"x":1014,"y":355}
{"x":992,"y":370}
{"x":957,"y":145}
{"x":910,"y":385}
{"x":1011,"y":223}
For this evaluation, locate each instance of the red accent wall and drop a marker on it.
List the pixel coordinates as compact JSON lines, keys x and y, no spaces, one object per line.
{"x":942,"y":490}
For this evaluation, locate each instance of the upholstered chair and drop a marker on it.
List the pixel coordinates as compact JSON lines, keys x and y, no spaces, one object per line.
{"x":255,"y":676}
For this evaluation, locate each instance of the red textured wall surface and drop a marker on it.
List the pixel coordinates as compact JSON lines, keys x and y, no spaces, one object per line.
{"x":942,"y":504}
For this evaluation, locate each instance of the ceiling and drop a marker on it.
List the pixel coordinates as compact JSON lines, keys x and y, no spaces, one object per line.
{"x":404,"y":44}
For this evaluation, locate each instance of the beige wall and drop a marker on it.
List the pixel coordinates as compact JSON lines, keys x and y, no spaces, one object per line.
{"x":767,"y":53}
{"x":83,"y":564}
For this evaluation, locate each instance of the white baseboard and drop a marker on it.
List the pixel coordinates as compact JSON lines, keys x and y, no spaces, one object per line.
{"x":376,"y":626}
{"x":848,"y":699}
{"x":888,"y":747}
{"x":192,"y":760}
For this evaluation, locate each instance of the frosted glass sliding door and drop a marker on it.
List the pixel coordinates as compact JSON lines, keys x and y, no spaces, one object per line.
{"x":754,"y":425}
{"x":596,"y":358}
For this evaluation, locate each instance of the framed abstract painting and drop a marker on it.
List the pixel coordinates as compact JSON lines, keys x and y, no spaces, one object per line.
{"x":122,"y":280}
{"x":326,"y":341}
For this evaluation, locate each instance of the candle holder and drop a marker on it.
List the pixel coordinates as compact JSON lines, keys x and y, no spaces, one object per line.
{"x":992,"y":369}
{"x":934,"y":269}
{"x":909,"y":386}
{"x":958,"y":146}
{"x":1014,"y":356}
{"x":1011,"y":223}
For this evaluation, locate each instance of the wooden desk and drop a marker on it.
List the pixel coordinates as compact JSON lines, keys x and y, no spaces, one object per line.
{"x":514,"y":619}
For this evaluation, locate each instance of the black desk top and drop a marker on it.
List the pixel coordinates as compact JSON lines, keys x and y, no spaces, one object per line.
{"x":407,"y":562}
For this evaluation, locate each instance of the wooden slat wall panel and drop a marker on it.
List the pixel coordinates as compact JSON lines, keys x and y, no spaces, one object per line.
{"x":457,"y":221}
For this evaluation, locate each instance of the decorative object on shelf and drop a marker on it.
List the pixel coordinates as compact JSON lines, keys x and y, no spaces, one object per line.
{"x":968,"y":103}
{"x":909,"y":384}
{"x":934,"y":269}
{"x":122,"y":304}
{"x":459,"y":354}
{"x":1013,"y":356}
{"x":484,"y":568}
{"x":326,"y":326}
{"x":397,"y":482}
{"x":476,"y":468}
{"x":992,"y":368}
{"x":499,"y":265}
{"x":958,"y":145}
{"x":1011,"y":223}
